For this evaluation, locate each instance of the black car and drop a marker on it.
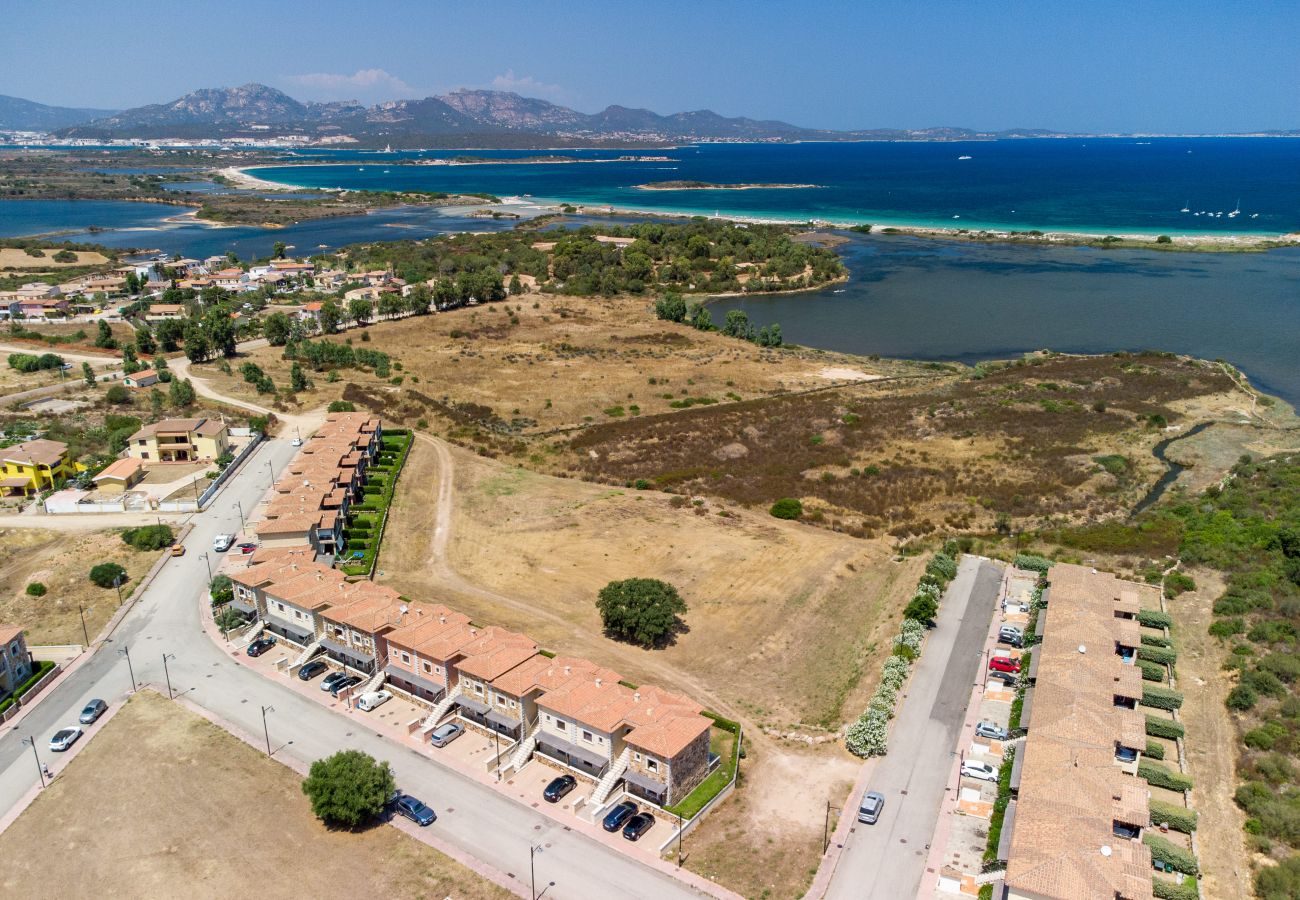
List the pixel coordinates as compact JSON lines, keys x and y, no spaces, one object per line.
{"x":343,"y":684}
{"x":637,"y":826}
{"x":415,"y":810}
{"x":260,"y":646}
{"x":312,"y":669}
{"x":327,"y":683}
{"x":1006,"y":677}
{"x":619,"y":815}
{"x":556,"y":790}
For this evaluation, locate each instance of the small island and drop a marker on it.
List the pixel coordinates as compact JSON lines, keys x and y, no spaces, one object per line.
{"x":709,"y":186}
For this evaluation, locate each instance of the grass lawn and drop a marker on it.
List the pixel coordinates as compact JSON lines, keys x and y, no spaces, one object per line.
{"x":722,"y":743}
{"x":163,"y":803}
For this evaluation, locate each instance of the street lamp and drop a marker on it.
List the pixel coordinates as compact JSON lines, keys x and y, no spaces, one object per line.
{"x":207,"y":563}
{"x":533,"y":850}
{"x":84,"y":633}
{"x":117,"y":583}
{"x":679,"y":839}
{"x":240,"y":507}
{"x":496,"y":737}
{"x":40,"y":770}
{"x":167,"y":674}
{"x":126,"y":651}
{"x":266,"y":731}
{"x":271,"y":469}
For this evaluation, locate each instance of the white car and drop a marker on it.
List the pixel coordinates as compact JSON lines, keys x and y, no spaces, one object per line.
{"x":367,"y":702}
{"x":980,"y":771}
{"x":223,"y":542}
{"x":64,"y":738}
{"x":296,"y":442}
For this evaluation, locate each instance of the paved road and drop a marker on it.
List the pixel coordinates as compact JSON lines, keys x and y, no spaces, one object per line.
{"x":887,"y":860}
{"x":472,"y":816}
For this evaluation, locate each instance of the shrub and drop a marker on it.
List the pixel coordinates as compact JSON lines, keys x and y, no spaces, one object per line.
{"x":1175,"y":890}
{"x":787,"y":508}
{"x":341,"y":406}
{"x":1279,"y":882}
{"x":868,"y":735}
{"x":942,"y":565}
{"x":1156,"y":640}
{"x":348,"y":788}
{"x":1154,"y":750}
{"x":641,"y":610}
{"x":1241,"y":698}
{"x":149,"y":537}
{"x":1158,"y":726}
{"x":912,"y":635}
{"x":1162,"y":655}
{"x":1033,"y":563}
{"x":1179,"y":818}
{"x":1161,"y":698}
{"x":222,"y":590}
{"x":1153,"y":618}
{"x":35,"y":589}
{"x":922,"y":608}
{"x":107,"y":575}
{"x":1152,"y":671}
{"x":1162,"y":776}
{"x":1171,"y":855}
{"x":118,"y":395}
{"x":1177,"y":583}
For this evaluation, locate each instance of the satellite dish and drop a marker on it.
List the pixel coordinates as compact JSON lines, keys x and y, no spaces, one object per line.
{"x":1105,"y":850}
{"x":1083,"y":649}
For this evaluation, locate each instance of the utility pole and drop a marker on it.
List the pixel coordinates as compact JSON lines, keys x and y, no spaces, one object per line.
{"x":40,"y":770}
{"x":240,"y":507}
{"x":167,"y":674}
{"x":826,"y":828}
{"x":679,"y":840}
{"x":533,"y":850}
{"x":126,"y":651}
{"x":265,"y":730}
{"x":84,"y":633}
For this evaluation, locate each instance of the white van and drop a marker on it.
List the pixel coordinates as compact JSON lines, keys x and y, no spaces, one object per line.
{"x":367,"y":702}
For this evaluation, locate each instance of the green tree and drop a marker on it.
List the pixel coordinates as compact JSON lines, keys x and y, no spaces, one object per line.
{"x":348,"y":788}
{"x":277,"y":250}
{"x":104,"y":337}
{"x":197,"y":348}
{"x":329,"y":317}
{"x":144,"y":342}
{"x":35,"y":589}
{"x":702,"y":318}
{"x":222,"y":590}
{"x":220,"y":331}
{"x":923,"y":608}
{"x":88,"y":374}
{"x":297,"y":379}
{"x":169,"y":333}
{"x":419,"y":298}
{"x":149,"y":537}
{"x":181,"y":393}
{"x":359,"y":309}
{"x":787,"y":508}
{"x":641,"y":610}
{"x":107,"y":575}
{"x":156,"y":403}
{"x":671,"y":307}
{"x":516,"y":286}
{"x":118,"y":395}
{"x":276,"y":329}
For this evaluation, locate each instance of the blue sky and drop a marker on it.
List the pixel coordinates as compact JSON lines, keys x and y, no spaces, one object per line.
{"x":1189,"y":66}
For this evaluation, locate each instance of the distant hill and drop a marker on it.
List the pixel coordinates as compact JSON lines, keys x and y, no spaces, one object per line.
{"x":17,"y":114}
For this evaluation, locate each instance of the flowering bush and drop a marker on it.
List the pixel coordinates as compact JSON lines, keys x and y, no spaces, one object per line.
{"x":868,"y":735}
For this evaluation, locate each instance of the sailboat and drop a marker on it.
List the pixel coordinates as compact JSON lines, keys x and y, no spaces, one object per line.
{"x":1185,"y":208}
{"x":1236,"y":212}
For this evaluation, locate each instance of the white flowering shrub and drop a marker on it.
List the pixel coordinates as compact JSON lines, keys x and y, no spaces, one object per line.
{"x":869,"y":735}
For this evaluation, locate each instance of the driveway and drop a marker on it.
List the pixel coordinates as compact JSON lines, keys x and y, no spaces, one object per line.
{"x":887,"y":860}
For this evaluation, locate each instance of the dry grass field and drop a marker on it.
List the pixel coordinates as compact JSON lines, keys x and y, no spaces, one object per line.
{"x":14,"y":258}
{"x":61,"y":561}
{"x":163,"y":804}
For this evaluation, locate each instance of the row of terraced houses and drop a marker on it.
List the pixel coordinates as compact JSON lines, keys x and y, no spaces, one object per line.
{"x":581,"y":717}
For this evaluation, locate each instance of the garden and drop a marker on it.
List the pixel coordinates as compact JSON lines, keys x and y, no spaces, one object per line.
{"x":365,"y":531}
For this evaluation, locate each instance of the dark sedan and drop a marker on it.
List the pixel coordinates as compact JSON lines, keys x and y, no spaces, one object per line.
{"x":260,"y":646}
{"x":415,"y":810}
{"x":637,"y":826}
{"x":312,"y":669}
{"x":556,"y":790}
{"x":343,"y":684}
{"x":619,"y":815}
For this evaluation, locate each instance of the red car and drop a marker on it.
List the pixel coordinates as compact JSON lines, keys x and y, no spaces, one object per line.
{"x":1004,"y":664}
{"x":247,"y":548}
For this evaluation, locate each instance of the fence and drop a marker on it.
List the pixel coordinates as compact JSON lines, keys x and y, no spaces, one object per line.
{"x":229,"y":470}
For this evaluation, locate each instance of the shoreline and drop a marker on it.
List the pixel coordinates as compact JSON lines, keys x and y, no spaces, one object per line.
{"x":1191,"y":242}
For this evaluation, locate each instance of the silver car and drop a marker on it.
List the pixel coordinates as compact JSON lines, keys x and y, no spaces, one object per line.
{"x":445,"y":734}
{"x":872,"y":804}
{"x":991,"y":730}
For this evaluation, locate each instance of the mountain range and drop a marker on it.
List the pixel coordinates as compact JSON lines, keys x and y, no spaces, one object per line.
{"x":478,"y":118}
{"x":17,"y":114}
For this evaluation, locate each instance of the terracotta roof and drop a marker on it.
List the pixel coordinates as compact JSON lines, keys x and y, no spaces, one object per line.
{"x":540,"y":673}
{"x":424,"y":623}
{"x":203,"y":426}
{"x":120,"y":468}
{"x":9,"y":632}
{"x":495,"y":652}
{"x":370,"y":608}
{"x":38,"y":452}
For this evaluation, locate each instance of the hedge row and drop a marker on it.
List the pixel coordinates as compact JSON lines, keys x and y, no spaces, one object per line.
{"x":1157,"y":726}
{"x":1154,"y":750}
{"x":40,"y":668}
{"x":1153,"y":618}
{"x":1156,"y":640}
{"x":1152,"y":671}
{"x":1162,"y":655}
{"x":1161,"y":698}
{"x":1173,"y":856}
{"x":1161,"y":776}
{"x":1173,"y":890}
{"x":1179,"y":818}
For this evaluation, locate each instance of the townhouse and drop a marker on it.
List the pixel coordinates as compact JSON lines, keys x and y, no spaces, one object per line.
{"x":410,"y":665}
{"x":492,"y":654}
{"x":289,"y":595}
{"x":15,"y":661}
{"x":353,"y":633}
{"x":1074,"y":826}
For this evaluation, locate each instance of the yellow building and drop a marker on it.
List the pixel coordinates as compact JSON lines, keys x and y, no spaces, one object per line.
{"x":33,"y":466}
{"x":120,"y":475}
{"x":180,"y":440}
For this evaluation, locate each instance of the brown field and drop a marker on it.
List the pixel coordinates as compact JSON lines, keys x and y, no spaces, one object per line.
{"x":554,"y":366}
{"x":61,"y":561}
{"x":13,"y":258}
{"x":121,"y":330}
{"x":164,"y":803}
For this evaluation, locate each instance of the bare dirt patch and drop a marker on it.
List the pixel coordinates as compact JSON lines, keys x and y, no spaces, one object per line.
{"x":164,"y":803}
{"x":61,"y":560}
{"x":13,"y":258}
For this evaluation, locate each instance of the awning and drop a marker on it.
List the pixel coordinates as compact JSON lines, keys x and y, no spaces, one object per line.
{"x":15,"y":482}
{"x":645,"y":782}
{"x":566,"y":749}
{"x":1040,"y":627}
{"x":1033,"y":666}
{"x":360,"y":660}
{"x":1017,"y":765}
{"x":1008,"y":830}
{"x":501,"y":720}
{"x":296,"y":632}
{"x":411,"y":678}
{"x":473,"y":705}
{"x":1027,"y":708}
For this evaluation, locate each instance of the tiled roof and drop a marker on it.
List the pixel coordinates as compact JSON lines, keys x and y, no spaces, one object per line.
{"x":120,"y":468}
{"x":38,"y":452}
{"x":9,"y":632}
{"x":495,"y":652}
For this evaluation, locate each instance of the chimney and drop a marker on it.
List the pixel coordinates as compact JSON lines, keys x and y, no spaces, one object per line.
{"x":442,"y":619}
{"x":598,"y":682}
{"x":568,"y":670}
{"x":636,"y":696}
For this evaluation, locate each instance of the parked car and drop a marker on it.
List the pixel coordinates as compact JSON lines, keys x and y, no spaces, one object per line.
{"x":991,"y":730}
{"x":178,"y":549}
{"x":415,"y":810}
{"x":617,"y":817}
{"x":64,"y":738}
{"x":344,"y":683}
{"x":1011,"y":631}
{"x":373,"y":700}
{"x":296,"y":442}
{"x":981,"y":771}
{"x":247,"y":547}
{"x":1004,"y":664}
{"x":637,"y":826}
{"x":260,"y":646}
{"x":872,"y":804}
{"x":327,"y":683}
{"x":222,"y":542}
{"x":94,"y":709}
{"x":311,"y":669}
{"x":558,"y":787}
{"x":1007,"y":677}
{"x":445,"y":734}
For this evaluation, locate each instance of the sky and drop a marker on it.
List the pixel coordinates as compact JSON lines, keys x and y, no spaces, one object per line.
{"x":1193,"y":66}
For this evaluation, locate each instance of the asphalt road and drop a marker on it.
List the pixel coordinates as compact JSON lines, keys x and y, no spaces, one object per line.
{"x":471,"y":816}
{"x":887,"y":860}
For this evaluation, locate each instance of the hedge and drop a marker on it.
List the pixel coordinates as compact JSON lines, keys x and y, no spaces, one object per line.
{"x":1160,"y":776}
{"x":1156,"y":640}
{"x":1171,"y":855}
{"x":1032,"y":563}
{"x":1153,"y":618}
{"x":40,"y":668}
{"x":1158,"y":726}
{"x":1173,"y":890}
{"x":1151,"y":671}
{"x":1154,"y":750}
{"x":1179,"y":818}
{"x":1162,"y":655}
{"x":1161,"y":698}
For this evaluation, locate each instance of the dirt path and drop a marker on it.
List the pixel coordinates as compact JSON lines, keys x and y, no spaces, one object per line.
{"x":1211,"y":744}
{"x":306,"y":422}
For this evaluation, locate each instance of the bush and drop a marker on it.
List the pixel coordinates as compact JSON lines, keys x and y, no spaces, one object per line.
{"x":35,"y":589}
{"x":1279,"y":882}
{"x":1153,"y":618}
{"x":107,"y":575}
{"x":1152,"y":671}
{"x":1171,"y":855}
{"x":222,"y":590}
{"x":118,"y":395}
{"x":1154,"y":750}
{"x":787,"y":508}
{"x":149,"y":537}
{"x":1162,"y":776}
{"x":348,"y":788}
{"x":922,"y":608}
{"x":1241,"y":698}
{"x":1032,"y":563}
{"x":1162,"y":655}
{"x":1164,"y":728}
{"x":341,"y":406}
{"x":868,"y":736}
{"x":1171,"y":890}
{"x":1179,"y":818}
{"x":1161,"y":698}
{"x":641,"y":610}
{"x":1178,"y":583}
{"x":943,"y":566}
{"x":1156,"y":640}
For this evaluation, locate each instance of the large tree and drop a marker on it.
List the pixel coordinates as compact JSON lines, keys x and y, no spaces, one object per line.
{"x":641,"y":610}
{"x":348,"y":788}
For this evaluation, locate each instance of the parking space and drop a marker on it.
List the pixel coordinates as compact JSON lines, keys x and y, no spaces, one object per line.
{"x":527,"y":787}
{"x":472,"y":748}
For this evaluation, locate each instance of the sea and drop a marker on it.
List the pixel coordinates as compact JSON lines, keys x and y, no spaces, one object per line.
{"x":907,"y":296}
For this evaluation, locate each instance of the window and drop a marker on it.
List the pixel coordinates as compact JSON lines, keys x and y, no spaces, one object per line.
{"x":586,"y":735}
{"x":478,"y":688}
{"x":636,"y":756}
{"x":427,"y":668}
{"x":406,"y":657}
{"x":501,"y":701}
{"x":144,"y":455}
{"x":513,"y":704}
{"x":651,"y":764}
{"x":559,"y":724}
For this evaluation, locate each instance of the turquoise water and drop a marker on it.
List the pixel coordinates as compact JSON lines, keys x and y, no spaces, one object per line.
{"x":1119,"y":185}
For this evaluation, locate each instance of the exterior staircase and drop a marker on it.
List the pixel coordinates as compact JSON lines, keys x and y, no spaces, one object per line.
{"x":431,"y":720}
{"x":526,"y":747}
{"x":375,"y":683}
{"x":611,"y":778}
{"x":308,"y":652}
{"x":990,"y":876}
{"x":255,"y":632}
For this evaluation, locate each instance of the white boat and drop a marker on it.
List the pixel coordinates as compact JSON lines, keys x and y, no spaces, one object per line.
{"x":1254,"y":215}
{"x":1236,"y":212}
{"x":956,"y":217}
{"x":963,"y":157}
{"x":1185,"y":208}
